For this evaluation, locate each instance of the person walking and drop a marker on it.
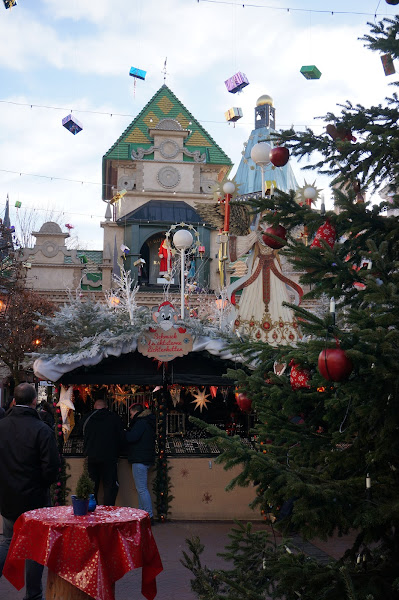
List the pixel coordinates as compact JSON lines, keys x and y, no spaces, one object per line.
{"x":46,"y":413}
{"x":103,"y":441}
{"x":29,"y":465}
{"x":140,"y":439}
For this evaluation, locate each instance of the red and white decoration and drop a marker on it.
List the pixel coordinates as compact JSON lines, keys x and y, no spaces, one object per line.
{"x":299,"y":377}
{"x":325,"y":232}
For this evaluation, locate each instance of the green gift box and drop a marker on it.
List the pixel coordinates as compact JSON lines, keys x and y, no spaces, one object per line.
{"x":18,"y":204}
{"x":310,"y":72}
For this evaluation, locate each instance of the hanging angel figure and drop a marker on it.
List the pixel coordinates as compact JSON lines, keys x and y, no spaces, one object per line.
{"x":260,"y":313}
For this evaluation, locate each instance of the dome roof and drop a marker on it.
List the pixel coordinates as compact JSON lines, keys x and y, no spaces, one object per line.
{"x":50,"y":227}
{"x":264,"y":99}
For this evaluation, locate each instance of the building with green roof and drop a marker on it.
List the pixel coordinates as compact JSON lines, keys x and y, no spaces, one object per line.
{"x":153,"y":175}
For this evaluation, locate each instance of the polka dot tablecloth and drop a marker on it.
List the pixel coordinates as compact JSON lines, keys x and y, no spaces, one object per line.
{"x":91,"y":552}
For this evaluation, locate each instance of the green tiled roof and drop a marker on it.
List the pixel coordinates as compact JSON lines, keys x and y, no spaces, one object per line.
{"x":93,"y":256}
{"x":164,"y":104}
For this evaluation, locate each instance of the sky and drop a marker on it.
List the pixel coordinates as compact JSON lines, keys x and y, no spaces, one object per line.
{"x":59,"y":56}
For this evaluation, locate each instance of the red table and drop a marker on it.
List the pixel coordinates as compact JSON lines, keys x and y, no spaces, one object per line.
{"x":90,"y":552}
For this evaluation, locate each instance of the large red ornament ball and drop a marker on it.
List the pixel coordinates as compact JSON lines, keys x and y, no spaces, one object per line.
{"x":392,"y":2}
{"x":334,"y":364}
{"x":244,"y":403}
{"x":279,"y":155}
{"x":278,"y":231}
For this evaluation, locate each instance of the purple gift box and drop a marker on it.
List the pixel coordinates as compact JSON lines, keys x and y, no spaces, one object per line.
{"x":72,"y":124}
{"x":236,"y":83}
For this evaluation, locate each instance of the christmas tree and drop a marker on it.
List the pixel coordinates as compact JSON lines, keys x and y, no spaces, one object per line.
{"x":326,"y":457}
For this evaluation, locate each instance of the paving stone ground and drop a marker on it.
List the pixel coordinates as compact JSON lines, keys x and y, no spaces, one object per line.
{"x":174,"y":581}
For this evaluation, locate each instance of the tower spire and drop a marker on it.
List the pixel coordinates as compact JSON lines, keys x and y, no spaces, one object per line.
{"x":6,"y":220}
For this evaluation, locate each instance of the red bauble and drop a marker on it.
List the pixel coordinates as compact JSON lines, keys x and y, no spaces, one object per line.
{"x":279,"y":155}
{"x":299,"y":377}
{"x":244,"y":403}
{"x":278,"y":231}
{"x":392,"y":2}
{"x":334,"y":364}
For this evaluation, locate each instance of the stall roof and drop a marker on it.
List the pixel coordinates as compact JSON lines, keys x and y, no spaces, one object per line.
{"x":122,"y":363}
{"x":194,"y":369}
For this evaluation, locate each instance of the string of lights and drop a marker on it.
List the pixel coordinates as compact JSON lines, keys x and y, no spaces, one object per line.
{"x":60,"y":211}
{"x":292,"y":9}
{"x":113,"y":114}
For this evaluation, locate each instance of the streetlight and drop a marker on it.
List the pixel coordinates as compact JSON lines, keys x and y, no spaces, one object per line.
{"x":260,"y":154}
{"x":182,"y":240}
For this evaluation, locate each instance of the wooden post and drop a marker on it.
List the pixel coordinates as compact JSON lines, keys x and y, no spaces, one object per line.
{"x":58,"y":588}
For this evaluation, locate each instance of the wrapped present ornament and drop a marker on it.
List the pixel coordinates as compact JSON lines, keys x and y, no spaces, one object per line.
{"x":236,"y":83}
{"x":387,"y":64}
{"x":299,"y":377}
{"x":233,"y":114}
{"x":10,"y":3}
{"x":310,"y":72}
{"x":325,"y":232}
{"x":72,"y":124}
{"x":18,"y":204}
{"x":137,"y":73}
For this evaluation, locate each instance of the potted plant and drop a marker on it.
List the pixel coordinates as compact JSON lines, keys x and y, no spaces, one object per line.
{"x":84,"y":489}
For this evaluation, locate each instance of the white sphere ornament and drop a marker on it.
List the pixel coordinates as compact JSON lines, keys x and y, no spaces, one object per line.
{"x":229,"y":188}
{"x":260,"y":154}
{"x":182,"y":239}
{"x":310,"y":192}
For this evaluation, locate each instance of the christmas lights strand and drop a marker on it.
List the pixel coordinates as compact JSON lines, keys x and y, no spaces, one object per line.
{"x":78,"y":110}
{"x":94,"y":112}
{"x":51,"y":177}
{"x":288,"y":8}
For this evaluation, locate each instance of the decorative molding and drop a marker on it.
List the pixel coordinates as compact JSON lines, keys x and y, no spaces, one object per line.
{"x":141,"y":152}
{"x":196,"y":155}
{"x":126,"y":182}
{"x":169,"y":149}
{"x":208,"y":186}
{"x":168,"y":177}
{"x":169,"y":125}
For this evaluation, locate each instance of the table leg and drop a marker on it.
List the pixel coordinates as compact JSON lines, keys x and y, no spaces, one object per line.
{"x":58,"y":588}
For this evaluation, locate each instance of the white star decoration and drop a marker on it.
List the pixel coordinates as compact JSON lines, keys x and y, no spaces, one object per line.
{"x":200,"y":399}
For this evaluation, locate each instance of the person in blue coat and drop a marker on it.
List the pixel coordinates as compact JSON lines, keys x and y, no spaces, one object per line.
{"x":140,"y":439}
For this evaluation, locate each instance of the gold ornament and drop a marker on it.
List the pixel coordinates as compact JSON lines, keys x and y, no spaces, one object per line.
{"x":200,"y":399}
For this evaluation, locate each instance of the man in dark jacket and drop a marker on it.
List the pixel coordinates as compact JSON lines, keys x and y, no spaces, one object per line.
{"x":103,"y":440}
{"x":29,"y":464}
{"x":141,"y":452}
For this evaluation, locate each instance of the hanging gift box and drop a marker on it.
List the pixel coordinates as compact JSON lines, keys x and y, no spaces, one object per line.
{"x":72,"y":124}
{"x":137,"y":73}
{"x":310,"y":72}
{"x":236,"y":83}
{"x":233,"y":114}
{"x":387,"y":64}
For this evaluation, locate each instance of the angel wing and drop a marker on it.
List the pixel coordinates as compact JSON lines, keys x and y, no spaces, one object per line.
{"x":214,"y":215}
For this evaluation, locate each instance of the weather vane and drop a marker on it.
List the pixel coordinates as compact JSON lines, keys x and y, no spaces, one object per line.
{"x":164,"y":71}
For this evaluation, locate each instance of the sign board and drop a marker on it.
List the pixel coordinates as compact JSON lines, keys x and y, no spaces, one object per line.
{"x":165,"y":345}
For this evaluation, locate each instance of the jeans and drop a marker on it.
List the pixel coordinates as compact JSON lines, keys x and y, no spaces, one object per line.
{"x":33,"y":570}
{"x":107,"y":471}
{"x":140,"y":476}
